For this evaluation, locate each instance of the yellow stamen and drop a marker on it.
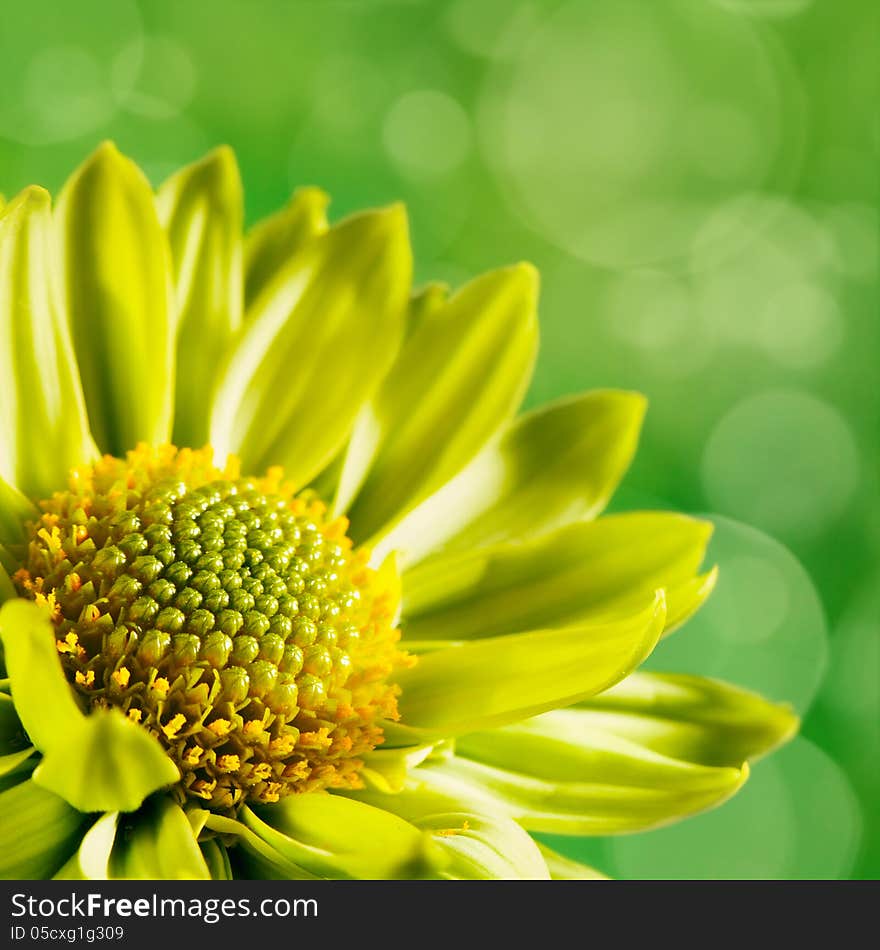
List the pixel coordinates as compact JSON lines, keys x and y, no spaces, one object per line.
{"x":174,"y":725}
{"x":121,"y":676}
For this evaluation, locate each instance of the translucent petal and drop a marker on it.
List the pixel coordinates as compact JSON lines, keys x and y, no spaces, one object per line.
{"x":216,"y":859}
{"x":485,"y":847}
{"x":599,"y":784}
{"x":39,"y":832}
{"x":558,"y":464}
{"x":100,"y":762}
{"x":692,"y":718}
{"x":44,"y":431}
{"x":503,"y":679}
{"x":115,"y":285}
{"x":201,"y":208}
{"x":566,"y":869}
{"x":15,"y":510}
{"x":14,"y":746}
{"x":583,"y":571}
{"x":320,"y":338}
{"x":92,"y":859}
{"x":332,"y":837}
{"x":271,"y":244}
{"x":459,"y":377}
{"x":157,"y":843}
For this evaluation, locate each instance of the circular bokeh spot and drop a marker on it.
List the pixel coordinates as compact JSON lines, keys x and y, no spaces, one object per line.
{"x":154,"y":77}
{"x":585,"y":127}
{"x":426,"y":133}
{"x":782,"y":460}
{"x":796,"y":818}
{"x":763,"y":627}
{"x":57,"y":86}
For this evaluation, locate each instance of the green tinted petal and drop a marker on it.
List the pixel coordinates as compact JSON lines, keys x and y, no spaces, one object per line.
{"x":105,"y":763}
{"x":332,"y":837}
{"x":157,"y":843}
{"x":555,"y":465}
{"x":485,"y":847}
{"x":566,"y":869}
{"x":216,"y":860}
{"x":503,"y":679}
{"x":92,"y":859}
{"x":254,"y":858}
{"x":589,"y":570}
{"x":460,"y":376}
{"x":341,"y":479}
{"x":43,"y":698}
{"x":14,"y":745}
{"x":39,"y":832}
{"x":558,"y":774}
{"x":101,"y":762}
{"x":43,"y":426}
{"x":202,"y":209}
{"x":116,"y":287}
{"x":272,"y":243}
{"x":321,"y":337}
{"x":7,"y":592}
{"x":15,"y":510}
{"x":692,"y":718}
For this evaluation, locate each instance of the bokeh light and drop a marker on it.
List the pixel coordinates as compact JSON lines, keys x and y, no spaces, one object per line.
{"x":55,"y":67}
{"x":783,"y":460}
{"x":426,"y":133}
{"x":588,"y":130}
{"x":696,"y":181}
{"x":767,"y":830}
{"x":763,"y":626}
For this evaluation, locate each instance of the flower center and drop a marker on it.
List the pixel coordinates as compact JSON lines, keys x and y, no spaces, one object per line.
{"x":223,"y":614}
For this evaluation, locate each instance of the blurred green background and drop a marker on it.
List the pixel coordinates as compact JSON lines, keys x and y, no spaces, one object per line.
{"x":697,"y":182}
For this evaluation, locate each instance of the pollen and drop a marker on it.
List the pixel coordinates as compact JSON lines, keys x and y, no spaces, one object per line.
{"x":228,"y":616}
{"x":121,"y":677}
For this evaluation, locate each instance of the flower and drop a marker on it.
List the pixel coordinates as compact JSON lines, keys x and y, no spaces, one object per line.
{"x":397,"y":645}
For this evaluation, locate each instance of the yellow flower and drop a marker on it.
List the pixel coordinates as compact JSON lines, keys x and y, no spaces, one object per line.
{"x":377,"y":628}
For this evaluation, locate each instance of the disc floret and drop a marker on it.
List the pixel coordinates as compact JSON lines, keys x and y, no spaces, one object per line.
{"x":226,"y":615}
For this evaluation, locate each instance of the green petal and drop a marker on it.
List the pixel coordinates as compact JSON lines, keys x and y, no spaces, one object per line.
{"x":502,"y":679}
{"x":116,"y":287}
{"x":320,"y":338}
{"x":39,"y":831}
{"x":202,"y":209}
{"x":216,"y":860}
{"x":43,"y":426}
{"x":100,"y":762}
{"x":485,"y":847}
{"x":14,"y":746}
{"x":460,"y":376}
{"x":157,"y":843}
{"x":92,"y":859}
{"x":692,"y":718}
{"x":43,"y":698}
{"x":272,"y":243}
{"x":584,"y":571}
{"x":555,"y":465}
{"x":253,"y":859}
{"x":566,"y":869}
{"x":106,"y":763}
{"x":558,"y":774}
{"x":354,"y":460}
{"x":7,"y":592}
{"x":335,"y":837}
{"x":15,"y":510}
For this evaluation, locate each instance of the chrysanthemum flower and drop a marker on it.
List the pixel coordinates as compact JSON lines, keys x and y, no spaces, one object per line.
{"x":376,"y":629}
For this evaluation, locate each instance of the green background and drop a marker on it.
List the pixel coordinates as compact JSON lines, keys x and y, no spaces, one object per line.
{"x":697,"y":182}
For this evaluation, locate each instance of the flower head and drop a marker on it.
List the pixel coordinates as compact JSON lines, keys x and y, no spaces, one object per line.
{"x":377,"y":628}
